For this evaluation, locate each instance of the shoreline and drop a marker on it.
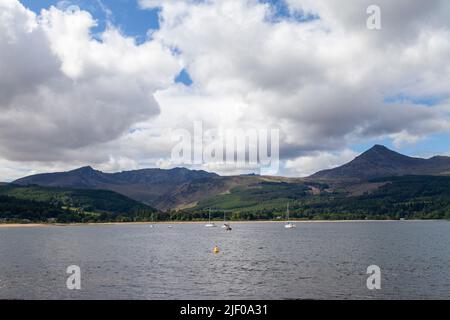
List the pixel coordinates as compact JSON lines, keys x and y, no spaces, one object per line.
{"x":50,"y":225}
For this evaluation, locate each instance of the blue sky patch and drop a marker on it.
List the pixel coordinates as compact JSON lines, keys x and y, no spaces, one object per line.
{"x":402,"y":98}
{"x":124,"y":14}
{"x":184,"y":78}
{"x":281,"y":12}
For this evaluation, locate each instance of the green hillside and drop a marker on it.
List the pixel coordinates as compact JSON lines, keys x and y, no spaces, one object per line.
{"x":410,"y":197}
{"x":419,"y":197}
{"x":19,"y":210}
{"x":70,"y":205}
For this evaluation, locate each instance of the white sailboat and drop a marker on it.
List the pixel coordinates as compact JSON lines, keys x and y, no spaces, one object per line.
{"x":289,"y":225}
{"x":153,"y":221}
{"x":210,"y":224}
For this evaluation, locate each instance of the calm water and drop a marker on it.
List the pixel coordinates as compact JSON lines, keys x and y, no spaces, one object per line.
{"x":257,"y":261}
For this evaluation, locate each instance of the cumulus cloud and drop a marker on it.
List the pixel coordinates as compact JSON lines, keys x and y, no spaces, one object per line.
{"x":402,"y":20}
{"x":306,"y":165}
{"x":63,"y":90}
{"x":326,"y":83}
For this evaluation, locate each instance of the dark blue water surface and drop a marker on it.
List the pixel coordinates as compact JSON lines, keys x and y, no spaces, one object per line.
{"x":257,"y":261}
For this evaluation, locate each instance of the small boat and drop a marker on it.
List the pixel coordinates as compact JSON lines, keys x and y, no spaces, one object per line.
{"x":226,"y":226}
{"x":210,"y":224}
{"x":170,"y":227}
{"x":289,"y":225}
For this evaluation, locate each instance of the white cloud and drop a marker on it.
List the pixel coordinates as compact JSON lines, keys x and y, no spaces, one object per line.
{"x":306,"y":165}
{"x":401,"y":20}
{"x":63,"y":90}
{"x":323,"y":83}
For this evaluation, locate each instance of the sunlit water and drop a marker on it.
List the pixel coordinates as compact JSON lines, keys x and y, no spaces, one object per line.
{"x":257,"y":261}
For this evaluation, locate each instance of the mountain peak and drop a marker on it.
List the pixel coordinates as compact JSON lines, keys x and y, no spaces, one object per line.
{"x":380,"y":162}
{"x":378,"y":148}
{"x":86,"y":169}
{"x":382,"y":153}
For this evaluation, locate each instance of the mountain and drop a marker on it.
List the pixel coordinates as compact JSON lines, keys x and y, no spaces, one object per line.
{"x":177,"y":188}
{"x":380,"y":162}
{"x":147,"y":185}
{"x":185,"y":189}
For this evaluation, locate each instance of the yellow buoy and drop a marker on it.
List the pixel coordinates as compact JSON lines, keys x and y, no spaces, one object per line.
{"x":216,"y":250}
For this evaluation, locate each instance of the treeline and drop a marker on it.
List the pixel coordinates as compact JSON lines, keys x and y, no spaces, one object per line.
{"x":13,"y":210}
{"x":39,"y":204}
{"x":408,"y":197}
{"x":19,"y":210}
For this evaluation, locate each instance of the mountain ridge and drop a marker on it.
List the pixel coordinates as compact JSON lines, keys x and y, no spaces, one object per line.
{"x":177,"y":188}
{"x":145,"y":185}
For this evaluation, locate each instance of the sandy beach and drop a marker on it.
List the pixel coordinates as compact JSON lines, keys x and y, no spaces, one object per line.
{"x":17,"y":225}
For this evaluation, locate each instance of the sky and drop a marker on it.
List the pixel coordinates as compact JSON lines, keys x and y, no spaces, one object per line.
{"x":106,"y":83}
